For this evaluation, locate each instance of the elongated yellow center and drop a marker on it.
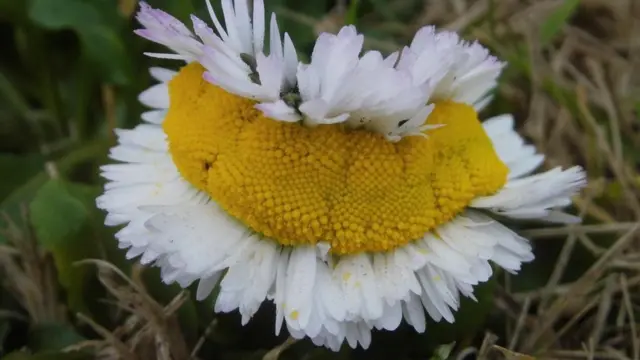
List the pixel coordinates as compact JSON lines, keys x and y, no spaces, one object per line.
{"x":301,"y":185}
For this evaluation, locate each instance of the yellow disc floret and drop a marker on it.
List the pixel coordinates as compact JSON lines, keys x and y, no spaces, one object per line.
{"x":301,"y":185}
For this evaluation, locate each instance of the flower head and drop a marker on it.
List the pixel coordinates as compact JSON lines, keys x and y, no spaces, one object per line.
{"x":315,"y":186}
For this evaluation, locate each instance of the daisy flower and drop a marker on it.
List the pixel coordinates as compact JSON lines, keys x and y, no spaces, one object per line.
{"x":353,"y":192}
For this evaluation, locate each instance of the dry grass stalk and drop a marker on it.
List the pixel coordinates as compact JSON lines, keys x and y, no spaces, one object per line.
{"x":274,"y":353}
{"x":578,"y":292}
{"x":150,"y":328}
{"x":29,"y":274}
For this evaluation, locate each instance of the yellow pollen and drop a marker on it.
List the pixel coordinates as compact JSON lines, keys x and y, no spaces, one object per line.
{"x":351,"y":188}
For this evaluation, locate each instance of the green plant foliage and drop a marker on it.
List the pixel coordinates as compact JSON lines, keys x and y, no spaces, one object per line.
{"x":101,"y":40}
{"x":553,"y":25}
{"x":17,"y":170}
{"x":443,"y":352}
{"x":53,"y":337}
{"x":61,"y":217}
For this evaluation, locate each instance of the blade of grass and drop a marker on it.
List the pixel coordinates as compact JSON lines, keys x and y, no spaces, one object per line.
{"x":351,"y":17}
{"x":553,"y":25}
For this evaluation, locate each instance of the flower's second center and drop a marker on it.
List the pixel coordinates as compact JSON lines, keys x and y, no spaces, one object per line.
{"x":351,"y":188}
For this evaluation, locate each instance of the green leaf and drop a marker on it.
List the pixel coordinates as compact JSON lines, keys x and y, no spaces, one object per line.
{"x":60,"y":216}
{"x":25,"y":193}
{"x":110,"y":14}
{"x":443,"y":352}
{"x":16,"y":170}
{"x":104,"y":46}
{"x":64,"y":14}
{"x":11,"y":205}
{"x":53,"y":336}
{"x":56,"y":215}
{"x":100,"y":39}
{"x":553,"y":25}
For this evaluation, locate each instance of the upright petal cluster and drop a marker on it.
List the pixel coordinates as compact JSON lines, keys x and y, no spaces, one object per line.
{"x":392,"y":96}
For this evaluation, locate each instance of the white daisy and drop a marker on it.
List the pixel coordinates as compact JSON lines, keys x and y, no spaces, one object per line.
{"x":343,"y":220}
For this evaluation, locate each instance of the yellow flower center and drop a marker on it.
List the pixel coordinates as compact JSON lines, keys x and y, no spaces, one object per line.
{"x":301,"y":185}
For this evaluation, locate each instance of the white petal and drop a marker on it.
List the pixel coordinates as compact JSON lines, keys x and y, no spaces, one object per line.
{"x":206,"y":285}
{"x":279,"y":110}
{"x":290,"y":61}
{"x":154,"y":116}
{"x":156,"y":96}
{"x":166,"y":30}
{"x":216,"y":22}
{"x":245,"y":30}
{"x":271,"y":72}
{"x":275,"y":43}
{"x":541,"y":192}
{"x":258,"y":26}
{"x":162,"y":74}
{"x":301,"y":276}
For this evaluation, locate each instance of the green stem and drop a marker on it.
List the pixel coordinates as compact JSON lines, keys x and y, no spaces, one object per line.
{"x":352,"y":13}
{"x":89,"y":150}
